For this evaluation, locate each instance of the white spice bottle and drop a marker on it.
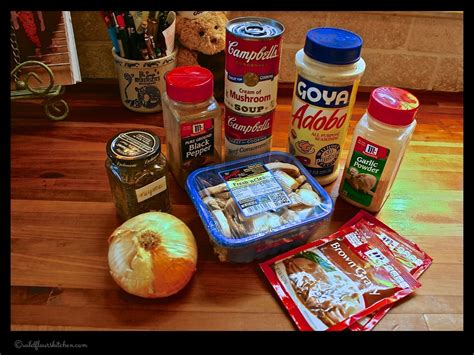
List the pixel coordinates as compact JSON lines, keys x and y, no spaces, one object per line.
{"x":329,"y":69}
{"x":379,"y":143}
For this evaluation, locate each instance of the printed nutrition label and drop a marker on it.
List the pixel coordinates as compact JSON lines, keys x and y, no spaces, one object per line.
{"x":254,"y":191}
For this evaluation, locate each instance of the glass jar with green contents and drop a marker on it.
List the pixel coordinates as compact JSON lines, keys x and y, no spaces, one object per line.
{"x":137,"y":173}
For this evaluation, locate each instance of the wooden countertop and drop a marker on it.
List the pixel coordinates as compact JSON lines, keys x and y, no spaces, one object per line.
{"x":62,"y":214}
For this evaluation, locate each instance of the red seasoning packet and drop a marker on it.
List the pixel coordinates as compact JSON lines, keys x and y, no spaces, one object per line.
{"x":333,"y":282}
{"x":415,"y":260}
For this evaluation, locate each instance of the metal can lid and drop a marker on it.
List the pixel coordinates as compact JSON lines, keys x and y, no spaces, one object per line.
{"x":333,"y":45}
{"x":255,"y":27}
{"x":134,"y":148}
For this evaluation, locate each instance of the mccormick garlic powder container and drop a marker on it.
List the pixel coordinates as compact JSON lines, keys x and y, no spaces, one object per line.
{"x":329,"y":68}
{"x":252,"y":64}
{"x":379,"y":143}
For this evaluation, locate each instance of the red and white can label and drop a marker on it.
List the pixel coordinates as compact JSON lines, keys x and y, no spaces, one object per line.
{"x":251,"y":74}
{"x":247,"y":135}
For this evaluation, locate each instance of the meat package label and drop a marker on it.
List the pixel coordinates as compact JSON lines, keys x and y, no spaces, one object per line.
{"x":254,"y":189}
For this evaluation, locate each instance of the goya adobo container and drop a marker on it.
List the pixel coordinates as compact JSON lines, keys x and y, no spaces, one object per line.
{"x":258,"y":206}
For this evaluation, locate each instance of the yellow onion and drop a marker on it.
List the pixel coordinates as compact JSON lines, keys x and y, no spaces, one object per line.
{"x":152,"y":255}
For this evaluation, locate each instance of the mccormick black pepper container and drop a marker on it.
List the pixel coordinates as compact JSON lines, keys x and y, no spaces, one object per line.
{"x":137,"y":173}
{"x":192,"y":120}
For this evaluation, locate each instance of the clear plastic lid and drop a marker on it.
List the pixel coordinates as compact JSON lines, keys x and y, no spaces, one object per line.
{"x":257,"y":197}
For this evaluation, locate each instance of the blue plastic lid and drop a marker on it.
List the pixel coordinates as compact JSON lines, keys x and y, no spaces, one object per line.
{"x":333,"y":45}
{"x":210,"y":176}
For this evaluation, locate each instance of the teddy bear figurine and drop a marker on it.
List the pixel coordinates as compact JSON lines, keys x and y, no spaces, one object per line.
{"x":201,"y":38}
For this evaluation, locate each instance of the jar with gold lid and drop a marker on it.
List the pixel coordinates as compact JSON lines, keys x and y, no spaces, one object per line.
{"x":137,"y":170}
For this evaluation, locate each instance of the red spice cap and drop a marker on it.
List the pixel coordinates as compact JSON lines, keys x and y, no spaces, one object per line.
{"x":189,"y":84}
{"x":393,"y":106}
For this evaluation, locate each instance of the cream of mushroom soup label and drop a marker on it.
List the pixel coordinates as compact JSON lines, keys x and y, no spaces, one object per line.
{"x":252,"y":65}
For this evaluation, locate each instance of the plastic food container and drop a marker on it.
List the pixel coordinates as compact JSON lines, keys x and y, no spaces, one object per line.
{"x":258,"y":206}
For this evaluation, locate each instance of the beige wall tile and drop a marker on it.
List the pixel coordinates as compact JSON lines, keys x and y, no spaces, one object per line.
{"x":450,"y":75}
{"x":95,"y":59}
{"x":437,"y":35}
{"x":88,"y":25}
{"x":377,"y":30}
{"x":437,"y":14}
{"x":394,"y":64}
{"x":395,"y":69}
{"x":287,"y":66}
{"x":296,"y":23}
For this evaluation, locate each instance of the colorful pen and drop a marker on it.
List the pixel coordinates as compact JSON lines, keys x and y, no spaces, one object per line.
{"x":150,"y":45}
{"x":123,"y":35}
{"x":152,"y":27}
{"x":132,"y":35}
{"x":111,"y":31}
{"x":137,"y":35}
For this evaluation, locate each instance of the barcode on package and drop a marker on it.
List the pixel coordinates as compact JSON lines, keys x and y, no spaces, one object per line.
{"x":258,"y":193}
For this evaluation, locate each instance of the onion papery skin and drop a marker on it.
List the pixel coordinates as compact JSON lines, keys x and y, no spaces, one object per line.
{"x":152,"y":255}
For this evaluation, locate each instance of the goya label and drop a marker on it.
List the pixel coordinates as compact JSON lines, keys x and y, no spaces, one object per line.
{"x":197,"y":141}
{"x":254,"y":189}
{"x":365,"y":169}
{"x":319,"y":121}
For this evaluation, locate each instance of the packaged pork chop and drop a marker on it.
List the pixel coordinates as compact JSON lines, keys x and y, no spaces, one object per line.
{"x":333,"y":282}
{"x":415,"y":260}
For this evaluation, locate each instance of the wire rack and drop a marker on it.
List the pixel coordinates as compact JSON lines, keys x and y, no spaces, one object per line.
{"x":37,"y":83}
{"x":55,"y":107}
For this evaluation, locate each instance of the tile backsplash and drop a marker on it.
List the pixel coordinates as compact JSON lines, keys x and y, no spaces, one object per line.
{"x":418,"y":50}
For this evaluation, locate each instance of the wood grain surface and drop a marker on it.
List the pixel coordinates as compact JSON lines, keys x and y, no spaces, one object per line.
{"x":62,"y":214}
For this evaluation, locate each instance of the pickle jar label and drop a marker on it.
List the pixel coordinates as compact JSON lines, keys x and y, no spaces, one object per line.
{"x":362,"y":176}
{"x":197,"y":143}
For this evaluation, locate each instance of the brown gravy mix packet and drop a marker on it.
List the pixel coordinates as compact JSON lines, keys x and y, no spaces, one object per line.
{"x":333,"y":282}
{"x":415,"y":260}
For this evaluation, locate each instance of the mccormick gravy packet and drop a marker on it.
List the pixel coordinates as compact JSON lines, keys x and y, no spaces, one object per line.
{"x":415,"y":260}
{"x":333,"y":282}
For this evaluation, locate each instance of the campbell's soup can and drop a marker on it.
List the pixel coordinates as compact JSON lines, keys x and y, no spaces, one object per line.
{"x":247,"y":135}
{"x":252,"y":66}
